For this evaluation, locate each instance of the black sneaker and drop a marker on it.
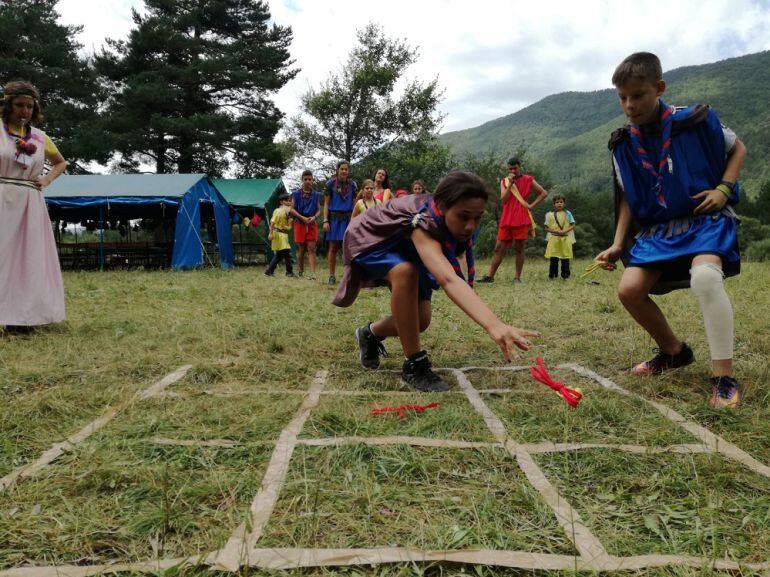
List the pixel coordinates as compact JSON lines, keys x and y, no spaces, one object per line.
{"x":486,"y":279}
{"x":370,"y":348}
{"x":663,"y":362}
{"x":417,"y":373}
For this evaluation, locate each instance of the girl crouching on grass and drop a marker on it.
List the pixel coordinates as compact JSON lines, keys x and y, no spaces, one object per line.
{"x":412,"y":245}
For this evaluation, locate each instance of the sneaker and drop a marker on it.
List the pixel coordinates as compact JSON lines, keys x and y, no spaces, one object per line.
{"x":486,"y":279}
{"x":417,"y":373}
{"x":663,"y":362}
{"x":267,"y":273}
{"x":300,"y":273}
{"x":517,"y":281}
{"x":725,"y":393}
{"x":289,"y":275}
{"x":332,"y":280}
{"x":370,"y":348}
{"x":311,"y":276}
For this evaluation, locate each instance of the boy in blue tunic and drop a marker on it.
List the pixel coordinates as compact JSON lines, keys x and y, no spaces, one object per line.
{"x":675,"y":175}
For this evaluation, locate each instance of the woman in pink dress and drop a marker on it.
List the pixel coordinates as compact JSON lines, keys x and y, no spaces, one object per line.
{"x":31,"y":288}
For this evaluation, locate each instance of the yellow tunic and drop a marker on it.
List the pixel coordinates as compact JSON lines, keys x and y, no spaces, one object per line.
{"x":559,"y":246}
{"x":280,"y":223}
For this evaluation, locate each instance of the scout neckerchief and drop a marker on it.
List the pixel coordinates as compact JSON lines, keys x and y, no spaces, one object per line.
{"x":342,"y":193}
{"x":450,"y":246}
{"x":305,"y":201}
{"x":523,"y":203}
{"x":666,"y":122}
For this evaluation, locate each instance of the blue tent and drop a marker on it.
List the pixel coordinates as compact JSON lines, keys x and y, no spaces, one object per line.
{"x":74,"y":197}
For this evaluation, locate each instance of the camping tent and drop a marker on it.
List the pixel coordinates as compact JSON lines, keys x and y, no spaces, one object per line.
{"x":132,"y":196}
{"x":248,"y":196}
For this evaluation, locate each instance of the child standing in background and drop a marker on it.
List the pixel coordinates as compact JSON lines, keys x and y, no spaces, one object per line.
{"x":367,"y":201}
{"x":339,"y":199}
{"x":559,"y":228}
{"x":280,"y":225}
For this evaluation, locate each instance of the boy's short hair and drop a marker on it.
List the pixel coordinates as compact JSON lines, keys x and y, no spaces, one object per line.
{"x":307,"y":173}
{"x":284,"y":196}
{"x":513,"y":161}
{"x":559,"y":197}
{"x":644,"y":66}
{"x":459,"y":185}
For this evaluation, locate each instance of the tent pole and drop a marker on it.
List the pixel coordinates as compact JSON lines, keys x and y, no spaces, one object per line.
{"x":101,"y":238}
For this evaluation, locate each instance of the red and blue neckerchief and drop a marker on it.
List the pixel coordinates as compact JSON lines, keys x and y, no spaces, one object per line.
{"x":450,"y":246}
{"x":666,"y":122}
{"x":343,"y":193}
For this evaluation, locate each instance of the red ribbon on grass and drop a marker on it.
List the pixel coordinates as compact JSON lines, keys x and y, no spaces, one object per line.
{"x":540,"y":373}
{"x":401,"y":410}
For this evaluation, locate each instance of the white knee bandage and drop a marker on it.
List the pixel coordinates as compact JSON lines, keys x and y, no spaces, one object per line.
{"x":707,"y":282}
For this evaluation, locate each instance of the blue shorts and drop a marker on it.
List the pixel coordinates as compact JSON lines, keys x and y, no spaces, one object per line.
{"x":376,"y":264}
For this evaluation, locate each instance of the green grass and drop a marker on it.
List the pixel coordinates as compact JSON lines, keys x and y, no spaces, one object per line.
{"x":669,"y":504}
{"x":249,"y":338}
{"x":363,"y":496}
{"x":124,"y":499}
{"x":534,"y":413}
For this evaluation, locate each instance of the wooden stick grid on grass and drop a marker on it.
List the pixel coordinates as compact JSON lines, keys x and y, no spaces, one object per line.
{"x":241,"y":550}
{"x":58,"y":449}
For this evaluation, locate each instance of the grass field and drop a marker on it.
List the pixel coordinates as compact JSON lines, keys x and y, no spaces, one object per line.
{"x":172,"y":476}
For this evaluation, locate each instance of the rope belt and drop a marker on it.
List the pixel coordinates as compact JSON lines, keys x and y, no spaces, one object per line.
{"x":19,"y":182}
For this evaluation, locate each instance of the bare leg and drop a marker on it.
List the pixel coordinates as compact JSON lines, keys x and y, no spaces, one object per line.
{"x":311,"y":255}
{"x":520,"y":245}
{"x":409,"y":316}
{"x":332,"y":256}
{"x":301,"y":249}
{"x":501,"y":247}
{"x":634,"y":293}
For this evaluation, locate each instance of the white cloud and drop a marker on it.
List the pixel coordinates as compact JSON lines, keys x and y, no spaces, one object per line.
{"x":492,"y":56}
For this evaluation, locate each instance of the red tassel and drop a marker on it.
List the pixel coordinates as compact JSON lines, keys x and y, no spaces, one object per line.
{"x":401,"y":410}
{"x":540,"y":373}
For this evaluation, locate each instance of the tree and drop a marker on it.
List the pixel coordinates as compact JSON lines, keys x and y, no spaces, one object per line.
{"x":355,"y":113}
{"x":35,"y":47}
{"x":192,"y":87}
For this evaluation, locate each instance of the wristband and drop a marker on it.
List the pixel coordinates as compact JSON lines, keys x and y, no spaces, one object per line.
{"x":728,"y":184}
{"x":724,"y":189}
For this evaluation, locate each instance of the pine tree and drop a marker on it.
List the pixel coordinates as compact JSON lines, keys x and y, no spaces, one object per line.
{"x":35,"y":47}
{"x":192,"y":87}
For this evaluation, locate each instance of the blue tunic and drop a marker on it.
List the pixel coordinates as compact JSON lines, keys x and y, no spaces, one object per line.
{"x":340,"y":207}
{"x":306,"y":206}
{"x":671,"y":234}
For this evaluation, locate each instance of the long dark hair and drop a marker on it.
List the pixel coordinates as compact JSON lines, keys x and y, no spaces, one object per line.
{"x":21,"y":88}
{"x":386,"y":182}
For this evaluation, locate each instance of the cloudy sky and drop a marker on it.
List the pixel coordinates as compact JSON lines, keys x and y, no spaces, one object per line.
{"x":492,"y":57}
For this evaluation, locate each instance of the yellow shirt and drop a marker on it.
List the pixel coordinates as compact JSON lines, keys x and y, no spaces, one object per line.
{"x":49,"y":146}
{"x":280,"y":224}
{"x":362,"y":206}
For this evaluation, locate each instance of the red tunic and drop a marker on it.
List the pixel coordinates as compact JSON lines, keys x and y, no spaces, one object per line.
{"x":514,"y":214}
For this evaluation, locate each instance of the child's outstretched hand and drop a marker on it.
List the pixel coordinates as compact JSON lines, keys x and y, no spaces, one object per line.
{"x":607,"y":258}
{"x":510,"y":338}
